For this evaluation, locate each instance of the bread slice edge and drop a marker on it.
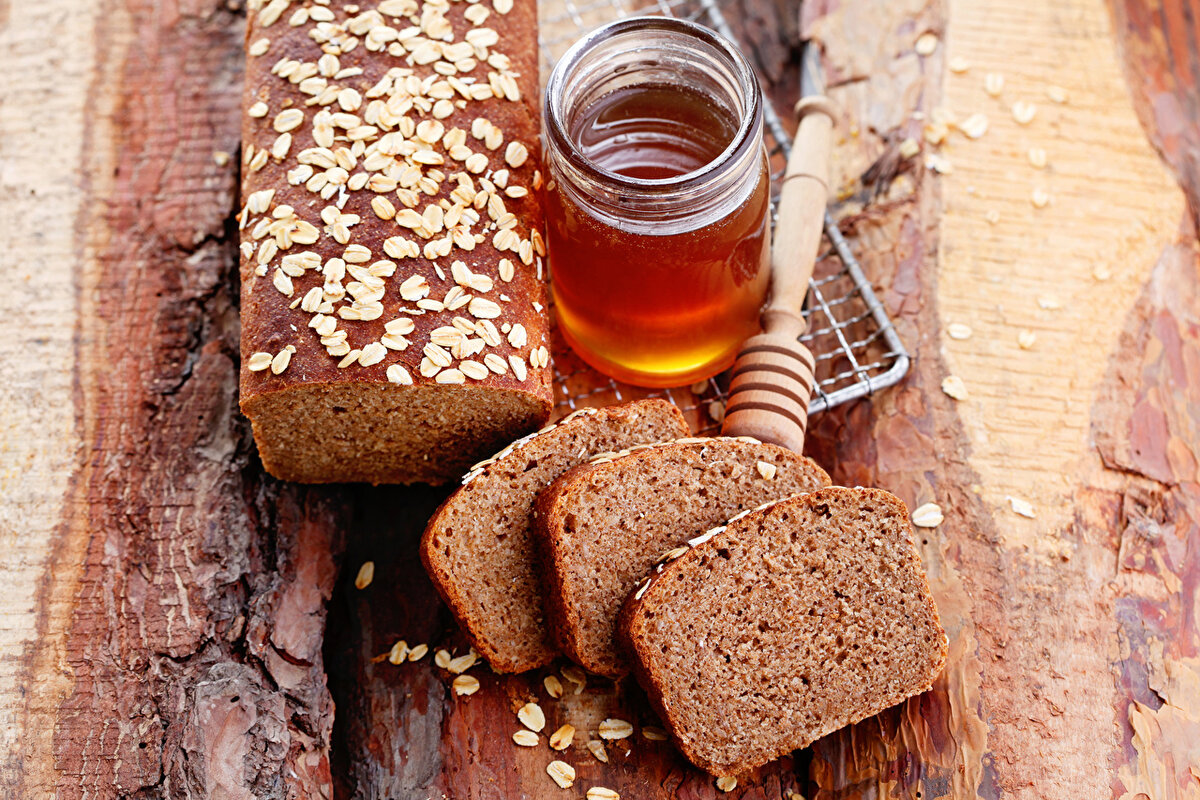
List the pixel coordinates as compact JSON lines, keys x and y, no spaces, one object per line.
{"x":650,"y":679}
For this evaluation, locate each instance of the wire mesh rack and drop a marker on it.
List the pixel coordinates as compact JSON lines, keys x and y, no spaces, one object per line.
{"x":853,"y":342}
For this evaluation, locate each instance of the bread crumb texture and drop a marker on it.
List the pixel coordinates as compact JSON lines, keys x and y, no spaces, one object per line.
{"x":479,"y":547}
{"x":795,"y":620}
{"x":604,"y":527}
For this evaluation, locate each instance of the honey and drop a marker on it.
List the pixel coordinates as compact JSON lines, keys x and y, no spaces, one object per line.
{"x":658,"y":207}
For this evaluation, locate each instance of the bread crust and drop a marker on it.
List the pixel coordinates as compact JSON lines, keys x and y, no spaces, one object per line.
{"x":632,"y":620}
{"x":271,"y":322}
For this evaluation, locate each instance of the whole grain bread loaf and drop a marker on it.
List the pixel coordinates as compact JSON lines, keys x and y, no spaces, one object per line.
{"x":790,"y":622}
{"x":603,"y":525}
{"x":479,"y":547}
{"x":393,"y":309}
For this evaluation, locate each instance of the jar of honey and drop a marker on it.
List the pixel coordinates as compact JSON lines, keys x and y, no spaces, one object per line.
{"x":658,"y":201}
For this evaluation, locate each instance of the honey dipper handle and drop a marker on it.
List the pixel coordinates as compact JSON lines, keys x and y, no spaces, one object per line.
{"x":802,"y":198}
{"x":773,"y":375}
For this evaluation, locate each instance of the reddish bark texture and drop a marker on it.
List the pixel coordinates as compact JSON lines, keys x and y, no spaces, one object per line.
{"x":194,"y":647}
{"x":1160,"y":43}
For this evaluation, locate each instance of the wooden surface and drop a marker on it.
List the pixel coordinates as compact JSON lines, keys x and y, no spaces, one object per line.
{"x":162,"y":619}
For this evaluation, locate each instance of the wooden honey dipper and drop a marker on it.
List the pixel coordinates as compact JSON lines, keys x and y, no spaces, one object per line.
{"x":773,"y":375}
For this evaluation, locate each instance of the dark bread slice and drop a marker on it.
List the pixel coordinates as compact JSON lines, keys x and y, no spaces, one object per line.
{"x":791,"y":622}
{"x":603,"y":525}
{"x":479,"y":549}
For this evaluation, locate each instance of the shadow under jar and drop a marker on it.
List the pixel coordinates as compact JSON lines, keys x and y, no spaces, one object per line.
{"x":658,"y":200}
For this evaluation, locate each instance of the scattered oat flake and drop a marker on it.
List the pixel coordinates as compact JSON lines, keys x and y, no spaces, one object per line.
{"x":553,"y":685}
{"x":699,"y":387}
{"x":959,"y":65}
{"x":259,"y":362}
{"x":398,"y":653}
{"x":672,"y":554}
{"x":928,"y":516}
{"x":926,"y":44}
{"x":909,"y":148}
{"x":561,"y":738}
{"x":716,"y":411}
{"x":418,"y":652}
{"x":441,"y":658}
{"x":953,"y":386}
{"x":1039,"y":198}
{"x":1102,"y":272}
{"x":1056,"y":93}
{"x":576,"y":676}
{"x":366,"y":574}
{"x":992,"y":216}
{"x":1022,"y":507}
{"x":282,"y":359}
{"x":727,"y":784}
{"x":1023,"y":112}
{"x":526,"y":738}
{"x":959,"y":331}
{"x":602,"y":793}
{"x":562,"y":773}
{"x":993,"y":83}
{"x":596,"y":748}
{"x":459,"y":665}
{"x":1037,"y":157}
{"x":1026,"y":339}
{"x":615,"y":729}
{"x":465,"y":684}
{"x":974,"y":126}
{"x":532,"y":717}
{"x":938,"y":164}
{"x":654,"y":734}
{"x":1049,"y":303}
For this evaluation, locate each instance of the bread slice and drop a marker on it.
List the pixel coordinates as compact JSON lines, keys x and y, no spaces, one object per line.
{"x":794,"y":620}
{"x":478,"y":548}
{"x":604,"y":525}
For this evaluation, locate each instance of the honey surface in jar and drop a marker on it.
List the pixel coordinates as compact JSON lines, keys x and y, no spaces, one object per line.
{"x":658,"y":303}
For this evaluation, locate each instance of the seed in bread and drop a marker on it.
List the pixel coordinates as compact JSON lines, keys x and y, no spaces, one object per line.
{"x":602,"y":526}
{"x":788,"y":623}
{"x":479,"y":548}
{"x":362,"y":194}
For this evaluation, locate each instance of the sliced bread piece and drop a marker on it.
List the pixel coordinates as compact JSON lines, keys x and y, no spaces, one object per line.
{"x":604,"y":525}
{"x":794,"y":620}
{"x":478,"y":548}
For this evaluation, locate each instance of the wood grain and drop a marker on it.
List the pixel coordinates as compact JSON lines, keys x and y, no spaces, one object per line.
{"x":169,"y":641}
{"x":1044,"y":616}
{"x":41,"y":444}
{"x":163,"y":608}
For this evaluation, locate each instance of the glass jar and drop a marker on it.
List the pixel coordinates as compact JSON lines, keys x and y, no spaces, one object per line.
{"x":658,"y":201}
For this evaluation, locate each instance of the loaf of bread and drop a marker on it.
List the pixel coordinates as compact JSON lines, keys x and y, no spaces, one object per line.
{"x":792,"y":621}
{"x":394,"y":326}
{"x":603,"y":525}
{"x":479,"y":548}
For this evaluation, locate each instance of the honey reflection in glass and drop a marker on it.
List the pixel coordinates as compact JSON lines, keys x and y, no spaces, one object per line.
{"x":657,"y":213}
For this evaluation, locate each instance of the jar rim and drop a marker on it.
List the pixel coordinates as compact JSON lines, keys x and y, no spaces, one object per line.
{"x":740,"y":67}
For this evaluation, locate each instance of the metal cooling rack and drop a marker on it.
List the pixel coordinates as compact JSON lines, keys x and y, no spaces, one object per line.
{"x":854,"y":343}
